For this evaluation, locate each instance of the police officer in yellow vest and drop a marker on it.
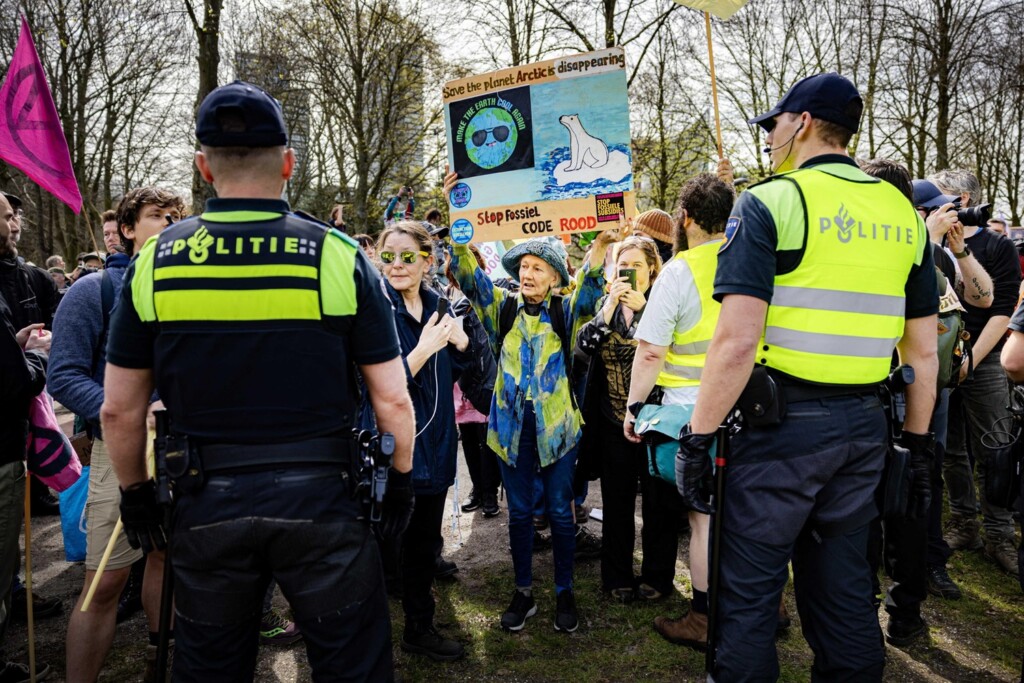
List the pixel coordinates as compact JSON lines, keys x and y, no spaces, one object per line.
{"x":824,"y":271}
{"x":251,"y":321}
{"x":674,"y":336}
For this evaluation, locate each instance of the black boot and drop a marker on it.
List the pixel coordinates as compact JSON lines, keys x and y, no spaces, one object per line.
{"x":426,"y":641}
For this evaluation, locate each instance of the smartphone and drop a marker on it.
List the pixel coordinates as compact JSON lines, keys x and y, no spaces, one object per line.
{"x":629,"y":274}
{"x":442,"y":308}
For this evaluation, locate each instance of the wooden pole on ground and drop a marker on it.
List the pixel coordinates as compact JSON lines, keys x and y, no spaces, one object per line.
{"x":714,"y":85}
{"x":28,"y":580}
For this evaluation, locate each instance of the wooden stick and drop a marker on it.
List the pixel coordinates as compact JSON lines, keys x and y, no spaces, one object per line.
{"x":150,"y":469}
{"x":714,"y":85}
{"x":28,"y":580}
{"x":102,"y":566}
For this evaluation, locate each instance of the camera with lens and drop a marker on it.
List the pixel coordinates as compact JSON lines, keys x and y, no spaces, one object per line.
{"x":974,"y":215}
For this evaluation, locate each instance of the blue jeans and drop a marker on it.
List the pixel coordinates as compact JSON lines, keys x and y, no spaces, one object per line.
{"x":803,"y":490}
{"x":558,"y":497}
{"x":298,"y":526}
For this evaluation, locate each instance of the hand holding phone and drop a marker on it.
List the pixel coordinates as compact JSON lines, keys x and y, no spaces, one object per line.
{"x":630,"y":275}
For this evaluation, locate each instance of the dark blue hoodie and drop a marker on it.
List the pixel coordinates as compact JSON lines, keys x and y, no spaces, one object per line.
{"x":432,"y":393}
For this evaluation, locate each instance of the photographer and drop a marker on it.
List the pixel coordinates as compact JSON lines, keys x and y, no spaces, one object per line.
{"x":940,"y":213}
{"x":982,"y":402}
{"x":390,"y":213}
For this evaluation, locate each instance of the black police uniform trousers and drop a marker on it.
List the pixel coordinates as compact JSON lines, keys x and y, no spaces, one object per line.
{"x":803,"y":490}
{"x":298,"y":526}
{"x":908,"y":547}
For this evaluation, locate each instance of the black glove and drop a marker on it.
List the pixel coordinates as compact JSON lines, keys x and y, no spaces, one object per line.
{"x":922,"y":455}
{"x":143,"y":517}
{"x":399,"y":502}
{"x":693,"y":470}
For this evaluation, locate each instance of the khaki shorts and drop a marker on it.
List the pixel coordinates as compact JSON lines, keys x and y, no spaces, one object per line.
{"x":102,"y":512}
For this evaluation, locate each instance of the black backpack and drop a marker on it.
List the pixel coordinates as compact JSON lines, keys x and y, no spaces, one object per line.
{"x":477,"y":378}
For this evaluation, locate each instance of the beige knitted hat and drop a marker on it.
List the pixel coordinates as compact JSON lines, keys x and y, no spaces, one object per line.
{"x":657,"y":224}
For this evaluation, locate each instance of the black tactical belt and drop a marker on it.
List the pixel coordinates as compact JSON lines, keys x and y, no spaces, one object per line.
{"x":327,"y":450}
{"x":814,"y":392}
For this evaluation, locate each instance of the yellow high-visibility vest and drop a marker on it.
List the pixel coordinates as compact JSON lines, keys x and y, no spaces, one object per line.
{"x":238,"y":267}
{"x":685,"y":360}
{"x":836,"y":317}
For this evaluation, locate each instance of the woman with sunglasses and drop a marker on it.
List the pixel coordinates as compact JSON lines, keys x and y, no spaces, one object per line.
{"x":608,"y":341}
{"x":433,"y":349}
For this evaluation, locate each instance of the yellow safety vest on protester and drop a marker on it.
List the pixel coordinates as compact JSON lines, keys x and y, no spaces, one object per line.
{"x":836,"y":317}
{"x":685,"y":359}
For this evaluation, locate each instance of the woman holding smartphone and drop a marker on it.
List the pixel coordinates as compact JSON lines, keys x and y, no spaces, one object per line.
{"x":608,"y":340}
{"x":433,"y":351}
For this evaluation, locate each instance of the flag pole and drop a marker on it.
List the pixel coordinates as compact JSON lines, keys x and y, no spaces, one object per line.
{"x":28,"y":581}
{"x":714,"y":85}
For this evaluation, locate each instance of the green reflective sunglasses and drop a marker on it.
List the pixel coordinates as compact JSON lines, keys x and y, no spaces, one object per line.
{"x":408,"y":257}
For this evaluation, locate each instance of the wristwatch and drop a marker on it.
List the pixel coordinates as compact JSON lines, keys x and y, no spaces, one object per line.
{"x":963,"y":254}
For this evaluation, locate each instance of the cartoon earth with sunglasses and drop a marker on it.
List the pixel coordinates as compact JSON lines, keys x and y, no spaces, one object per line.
{"x":491,"y":137}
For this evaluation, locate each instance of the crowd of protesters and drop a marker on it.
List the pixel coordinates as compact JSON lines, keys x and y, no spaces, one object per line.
{"x":535,"y":375}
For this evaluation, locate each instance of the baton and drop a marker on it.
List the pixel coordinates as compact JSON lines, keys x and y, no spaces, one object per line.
{"x":721,"y":457}
{"x":166,"y":607}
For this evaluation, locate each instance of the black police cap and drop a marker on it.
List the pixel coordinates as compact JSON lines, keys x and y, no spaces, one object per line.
{"x":15,"y":202}
{"x":827,"y":96}
{"x":240,"y":114}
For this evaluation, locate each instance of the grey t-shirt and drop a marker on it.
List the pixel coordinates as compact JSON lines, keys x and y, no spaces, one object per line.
{"x":674,"y":306}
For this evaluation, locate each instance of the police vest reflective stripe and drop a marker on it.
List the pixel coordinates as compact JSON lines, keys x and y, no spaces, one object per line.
{"x":836,"y":318}
{"x":244,"y":266}
{"x":685,"y":359}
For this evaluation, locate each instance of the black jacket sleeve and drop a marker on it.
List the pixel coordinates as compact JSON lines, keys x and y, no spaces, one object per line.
{"x":22,"y":373}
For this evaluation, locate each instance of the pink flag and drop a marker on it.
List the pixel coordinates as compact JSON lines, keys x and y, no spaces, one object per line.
{"x":31,"y":136}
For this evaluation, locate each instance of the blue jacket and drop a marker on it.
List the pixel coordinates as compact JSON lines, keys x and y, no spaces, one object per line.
{"x":431,"y":390}
{"x":77,"y":359}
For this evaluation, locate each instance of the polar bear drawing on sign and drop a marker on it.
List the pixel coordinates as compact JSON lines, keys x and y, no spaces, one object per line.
{"x":584,"y":148}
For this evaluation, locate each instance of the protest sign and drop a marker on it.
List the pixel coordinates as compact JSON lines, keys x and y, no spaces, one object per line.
{"x":541,"y":150}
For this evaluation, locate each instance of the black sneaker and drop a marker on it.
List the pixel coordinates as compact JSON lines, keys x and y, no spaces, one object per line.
{"x":472,"y":503}
{"x":13,"y":672}
{"x":490,"y":506}
{"x":429,"y":643}
{"x":131,"y":597}
{"x":588,"y":546}
{"x":567,"y":619}
{"x":941,"y":585}
{"x":42,"y":608}
{"x":444,"y":569}
{"x":519,"y":610}
{"x":44,"y":503}
{"x":904,"y":630}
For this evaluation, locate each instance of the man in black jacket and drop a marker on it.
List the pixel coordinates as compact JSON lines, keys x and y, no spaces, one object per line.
{"x":32,"y":298}
{"x":23,"y":355}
